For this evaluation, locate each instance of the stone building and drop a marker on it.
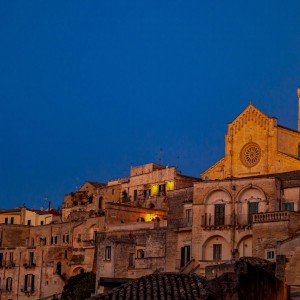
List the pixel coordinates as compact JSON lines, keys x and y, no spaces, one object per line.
{"x":256,"y":144}
{"x":130,"y":252}
{"x":28,"y":216}
{"x":256,"y":180}
{"x":158,"y":220}
{"x":147,"y":186}
{"x":37,"y":261}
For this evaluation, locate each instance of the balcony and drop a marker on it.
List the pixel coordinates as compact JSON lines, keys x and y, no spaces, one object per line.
{"x":9,"y":264}
{"x":267,"y":217}
{"x":29,"y":264}
{"x":210,"y":221}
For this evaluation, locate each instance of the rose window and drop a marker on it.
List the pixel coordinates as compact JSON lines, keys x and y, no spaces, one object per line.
{"x":250,"y":154}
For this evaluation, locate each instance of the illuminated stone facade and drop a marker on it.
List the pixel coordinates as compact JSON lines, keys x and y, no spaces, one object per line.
{"x":255,"y":145}
{"x":157,"y":219}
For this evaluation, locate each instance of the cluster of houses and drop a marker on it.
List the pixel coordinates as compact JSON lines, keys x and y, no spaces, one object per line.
{"x":159,"y":220}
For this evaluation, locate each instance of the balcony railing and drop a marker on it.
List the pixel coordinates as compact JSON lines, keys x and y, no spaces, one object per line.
{"x":29,"y":263}
{"x":212,"y":221}
{"x":276,"y":216}
{"x":9,"y":264}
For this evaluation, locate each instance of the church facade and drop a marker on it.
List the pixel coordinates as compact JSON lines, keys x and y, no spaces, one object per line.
{"x":256,"y":183}
{"x":256,"y":144}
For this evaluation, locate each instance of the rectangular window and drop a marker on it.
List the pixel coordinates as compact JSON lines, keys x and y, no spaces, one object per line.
{"x":161,"y":189}
{"x":288,"y":206}
{"x":29,"y":283}
{"x":131,"y":260}
{"x":147,"y":193}
{"x":108,"y":253}
{"x":12,"y":220}
{"x":270,"y":255}
{"x":29,"y":222}
{"x":189,"y":217}
{"x":219,"y":214}
{"x":1,"y":259}
{"x":252,"y":209}
{"x":42,"y":222}
{"x":31,"y":258}
{"x":185,"y":255}
{"x":6,"y":220}
{"x":135,"y":195}
{"x":67,"y":238}
{"x":54,"y":239}
{"x":217,"y":251}
{"x":11,"y":259}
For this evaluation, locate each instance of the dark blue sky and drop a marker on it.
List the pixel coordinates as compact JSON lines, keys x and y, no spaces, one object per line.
{"x":88,"y":88}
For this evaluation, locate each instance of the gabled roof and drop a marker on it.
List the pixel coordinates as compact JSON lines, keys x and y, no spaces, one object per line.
{"x":251,"y":106}
{"x":96,"y":184}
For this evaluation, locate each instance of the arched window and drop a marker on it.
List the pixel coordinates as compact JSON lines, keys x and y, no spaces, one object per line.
{"x":8,"y":284}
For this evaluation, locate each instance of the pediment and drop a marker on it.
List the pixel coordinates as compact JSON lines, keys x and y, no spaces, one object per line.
{"x":250,"y":113}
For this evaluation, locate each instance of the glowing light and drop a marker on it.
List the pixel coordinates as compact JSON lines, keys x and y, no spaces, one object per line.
{"x":170,"y":186}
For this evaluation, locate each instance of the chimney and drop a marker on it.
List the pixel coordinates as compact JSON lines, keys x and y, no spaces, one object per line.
{"x":298,"y":92}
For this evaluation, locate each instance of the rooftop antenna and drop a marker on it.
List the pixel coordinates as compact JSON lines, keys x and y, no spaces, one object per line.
{"x":47,"y":202}
{"x":159,"y":156}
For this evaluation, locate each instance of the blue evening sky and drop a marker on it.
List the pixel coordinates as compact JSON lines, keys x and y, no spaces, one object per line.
{"x":89,"y":88}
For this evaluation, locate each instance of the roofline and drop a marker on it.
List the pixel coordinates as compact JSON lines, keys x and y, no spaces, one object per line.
{"x":255,"y":108}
